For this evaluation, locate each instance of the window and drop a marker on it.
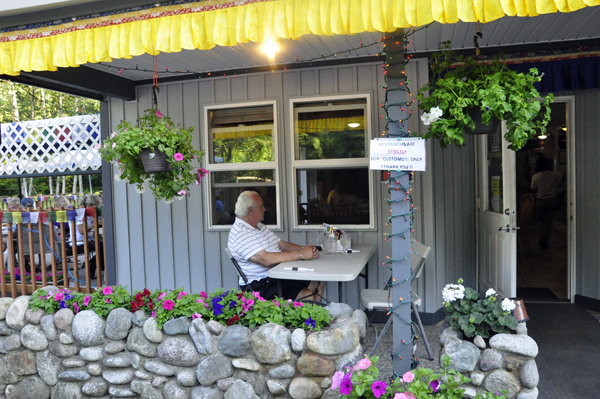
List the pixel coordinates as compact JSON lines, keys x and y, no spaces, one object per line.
{"x":241,"y":155}
{"x":332,"y":181}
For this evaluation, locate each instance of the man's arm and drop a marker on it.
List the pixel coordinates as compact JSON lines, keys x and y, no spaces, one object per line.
{"x":289,"y":252}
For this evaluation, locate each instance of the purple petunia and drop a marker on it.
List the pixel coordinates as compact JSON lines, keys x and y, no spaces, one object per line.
{"x":435,"y":385}
{"x":379,"y":388}
{"x":346,"y":385}
{"x":217,"y":307}
{"x":310,"y":322}
{"x":232,"y":304}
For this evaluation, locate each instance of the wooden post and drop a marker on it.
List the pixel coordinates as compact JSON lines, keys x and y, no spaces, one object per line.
{"x":401,"y":227}
{"x":2,"y":274}
{"x":43,"y":247}
{"x":74,"y":247}
{"x":11,"y":260}
{"x":32,"y":267}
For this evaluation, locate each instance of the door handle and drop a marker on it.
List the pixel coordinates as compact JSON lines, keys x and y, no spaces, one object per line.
{"x":516,"y":228}
{"x":507,"y":228}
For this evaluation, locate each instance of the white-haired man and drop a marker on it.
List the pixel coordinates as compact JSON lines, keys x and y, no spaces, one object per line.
{"x":257,"y":249}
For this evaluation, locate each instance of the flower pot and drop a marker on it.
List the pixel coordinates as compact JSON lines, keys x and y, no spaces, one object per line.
{"x":520,"y":313}
{"x":155,"y":161}
{"x":480,"y":127}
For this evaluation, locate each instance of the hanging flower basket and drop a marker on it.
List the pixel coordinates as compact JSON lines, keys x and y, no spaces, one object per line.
{"x":480,"y":128}
{"x":155,"y":161}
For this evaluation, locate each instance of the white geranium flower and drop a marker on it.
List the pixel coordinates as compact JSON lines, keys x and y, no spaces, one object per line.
{"x":452,"y":292}
{"x":490,"y":292}
{"x":508,"y":305}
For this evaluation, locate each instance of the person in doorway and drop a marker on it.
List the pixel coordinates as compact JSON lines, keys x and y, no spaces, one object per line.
{"x":257,"y":249}
{"x":335,"y":195}
{"x":544,"y":184}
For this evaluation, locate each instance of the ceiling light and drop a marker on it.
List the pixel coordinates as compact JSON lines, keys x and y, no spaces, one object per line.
{"x":354,"y":124}
{"x":564,"y":128}
{"x":270,"y":49}
{"x":542,"y":137}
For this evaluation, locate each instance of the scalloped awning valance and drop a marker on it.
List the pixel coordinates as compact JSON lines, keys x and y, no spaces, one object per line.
{"x":203,"y":25}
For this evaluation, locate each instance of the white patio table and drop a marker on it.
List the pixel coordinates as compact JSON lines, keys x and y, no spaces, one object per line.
{"x":338,"y":267}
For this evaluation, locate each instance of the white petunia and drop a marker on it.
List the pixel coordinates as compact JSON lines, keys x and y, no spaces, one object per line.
{"x":140,"y":189}
{"x":490,"y":292}
{"x":168,"y":201}
{"x":117,"y":177}
{"x":508,"y":305}
{"x":436,"y":112}
{"x":426,"y":118}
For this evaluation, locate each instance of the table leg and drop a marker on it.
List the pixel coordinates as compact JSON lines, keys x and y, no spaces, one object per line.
{"x":279,"y":288}
{"x":339,"y":292}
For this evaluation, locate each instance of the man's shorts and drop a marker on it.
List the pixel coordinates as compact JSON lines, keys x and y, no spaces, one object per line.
{"x":268,"y":287}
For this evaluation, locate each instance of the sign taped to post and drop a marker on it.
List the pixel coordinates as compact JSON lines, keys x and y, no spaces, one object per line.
{"x":398,"y":154}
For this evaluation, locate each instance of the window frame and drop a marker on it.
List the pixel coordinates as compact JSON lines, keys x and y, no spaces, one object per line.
{"x":337,"y":163}
{"x":224,"y":167}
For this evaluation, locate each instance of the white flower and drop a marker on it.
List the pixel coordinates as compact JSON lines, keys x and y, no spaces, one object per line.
{"x":508,"y":305}
{"x":490,"y":292}
{"x":168,"y":201}
{"x":426,"y":118}
{"x":117,"y":177}
{"x":436,"y":112}
{"x":433,"y":115}
{"x":452,"y":292}
{"x":140,"y":189}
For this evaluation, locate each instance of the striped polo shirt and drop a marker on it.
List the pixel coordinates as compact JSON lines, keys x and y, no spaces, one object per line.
{"x":245,"y":241}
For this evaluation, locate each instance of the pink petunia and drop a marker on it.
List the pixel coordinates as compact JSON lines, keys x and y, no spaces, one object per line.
{"x":404,"y":395}
{"x":196,"y":316}
{"x":362,"y":364}
{"x":107,"y":290}
{"x":298,"y":304}
{"x":196,"y":182}
{"x":86,"y":300}
{"x":247,"y":304}
{"x":200,"y":300}
{"x":181,"y":295}
{"x":203,"y":295}
{"x":76,"y":306}
{"x":162,"y":295}
{"x":97,"y":146}
{"x":201,"y":173}
{"x":159,"y":114}
{"x":153,"y":316}
{"x":337,"y":379}
{"x":178,"y":156}
{"x":114,"y":145}
{"x":182,"y":192}
{"x":108,"y":300}
{"x":59,"y":296}
{"x":408,"y":377}
{"x":346,"y":386}
{"x":276,"y":303}
{"x":168,"y":304}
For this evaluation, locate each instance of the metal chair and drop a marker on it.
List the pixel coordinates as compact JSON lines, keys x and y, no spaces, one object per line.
{"x":374,"y":300}
{"x":239,"y":271}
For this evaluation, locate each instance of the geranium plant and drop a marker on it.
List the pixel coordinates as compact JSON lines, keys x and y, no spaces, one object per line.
{"x":157,"y":132}
{"x":496,"y":90}
{"x":474,"y":316}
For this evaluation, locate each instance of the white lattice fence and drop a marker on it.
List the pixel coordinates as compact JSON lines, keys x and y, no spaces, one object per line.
{"x":50,"y":145}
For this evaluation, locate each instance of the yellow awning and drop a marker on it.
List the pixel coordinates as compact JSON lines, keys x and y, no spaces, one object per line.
{"x":203,"y":25}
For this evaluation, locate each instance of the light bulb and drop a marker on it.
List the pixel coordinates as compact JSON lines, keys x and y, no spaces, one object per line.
{"x":354,"y":124}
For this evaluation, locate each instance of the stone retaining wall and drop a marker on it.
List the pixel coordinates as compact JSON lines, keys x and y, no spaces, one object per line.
{"x":78,"y":356}
{"x":507,"y":364}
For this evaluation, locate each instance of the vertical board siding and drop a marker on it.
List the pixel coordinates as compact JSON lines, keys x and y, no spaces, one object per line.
{"x":170,"y":245}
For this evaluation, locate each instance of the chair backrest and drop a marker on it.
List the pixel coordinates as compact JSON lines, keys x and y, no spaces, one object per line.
{"x":417,"y":257}
{"x":36,"y":240}
{"x":238,"y":269}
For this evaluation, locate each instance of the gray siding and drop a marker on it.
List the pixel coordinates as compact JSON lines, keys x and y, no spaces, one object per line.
{"x":170,"y":246}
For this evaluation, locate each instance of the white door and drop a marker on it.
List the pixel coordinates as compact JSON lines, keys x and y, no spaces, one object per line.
{"x":497,"y":215}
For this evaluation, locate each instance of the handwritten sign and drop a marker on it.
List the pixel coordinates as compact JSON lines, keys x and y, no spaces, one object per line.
{"x":398,"y":154}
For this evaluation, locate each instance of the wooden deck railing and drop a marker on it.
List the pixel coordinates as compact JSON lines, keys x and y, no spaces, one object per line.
{"x":31,"y":242}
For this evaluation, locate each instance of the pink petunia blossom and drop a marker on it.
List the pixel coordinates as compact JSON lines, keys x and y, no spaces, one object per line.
{"x":86,"y":300}
{"x":362,"y":364}
{"x":203,"y":295}
{"x":107,"y":290}
{"x":159,"y":114}
{"x":182,"y":192}
{"x":276,"y":303}
{"x":196,"y":182}
{"x":200,"y":300}
{"x":114,"y":145}
{"x":153,"y":316}
{"x":168,"y":304}
{"x":76,"y":306}
{"x":247,"y":304}
{"x":196,"y":316}
{"x":59,"y":296}
{"x":201,"y":173}
{"x":162,"y":295}
{"x":178,"y":156}
{"x":408,"y":377}
{"x":108,"y":300}
{"x":404,"y":395}
{"x":337,"y":379}
{"x":181,"y":295}
{"x":289,"y":301}
{"x":298,"y":304}
{"x":97,"y":146}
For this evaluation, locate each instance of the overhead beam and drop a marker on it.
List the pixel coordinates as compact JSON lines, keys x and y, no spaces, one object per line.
{"x":80,"y":81}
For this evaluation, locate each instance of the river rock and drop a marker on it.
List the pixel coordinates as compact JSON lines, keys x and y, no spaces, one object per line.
{"x":479,"y":342}
{"x":349,"y":359}
{"x":277,"y":388}
{"x":225,"y":383}
{"x":304,"y":388}
{"x":491,"y":360}
{"x":32,"y":337}
{"x":515,"y":343}
{"x":139,"y":318}
{"x":502,"y":380}
{"x":49,"y":366}
{"x":74,"y":376}
{"x":120,"y":360}
{"x":118,"y":324}
{"x":463,"y":355}
{"x":47,"y":323}
{"x":187,"y":378}
{"x":72,"y":362}
{"x":32,"y":387}
{"x":114,"y":347}
{"x":63,"y":350}
{"x":151,"y":331}
{"x":215,"y":327}
{"x":246,"y":364}
{"x":176,"y":326}
{"x":66,"y":338}
{"x":119,"y":376}
{"x":22,"y":363}
{"x":298,"y":340}
{"x":337,"y":309}
{"x":95,"y":387}
{"x":521,"y":328}
{"x":4,"y":305}
{"x":213,"y":368}
{"x":67,"y":390}
{"x":121,"y":392}
{"x":178,"y":351}
{"x":477,"y":378}
{"x":235,"y":341}
{"x":529,"y":375}
{"x":143,"y":375}
{"x":91,"y":353}
{"x":94,"y":369}
{"x":157,"y":367}
{"x":159,"y":381}
{"x":6,"y":374}
{"x":15,"y":315}
{"x":311,"y":364}
{"x":88,"y":328}
{"x":240,"y":390}
{"x":283,"y":371}
{"x":450,"y":332}
{"x":63,"y":319}
{"x":202,"y":337}
{"x":146,"y":390}
{"x":12,"y":342}
{"x":334,"y":342}
{"x":270,"y":343}
{"x":137,"y":342}
{"x":5,"y":330}
{"x":206,"y":393}
{"x":34,"y":316}
{"x":528,"y":394}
